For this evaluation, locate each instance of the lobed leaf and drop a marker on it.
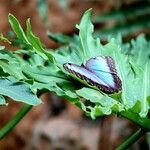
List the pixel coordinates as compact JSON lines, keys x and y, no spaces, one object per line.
{"x":30,"y":39}
{"x":90,"y":46}
{"x":19,"y":91}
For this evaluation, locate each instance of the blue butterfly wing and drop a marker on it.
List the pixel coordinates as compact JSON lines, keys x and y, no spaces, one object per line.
{"x":99,"y":72}
{"x":83,"y":73}
{"x":104,"y":68}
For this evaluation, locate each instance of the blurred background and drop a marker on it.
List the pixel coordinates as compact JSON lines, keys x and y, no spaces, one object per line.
{"x":57,"y":124}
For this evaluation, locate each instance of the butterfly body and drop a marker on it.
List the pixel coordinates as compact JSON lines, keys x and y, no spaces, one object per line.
{"x":98,"y":72}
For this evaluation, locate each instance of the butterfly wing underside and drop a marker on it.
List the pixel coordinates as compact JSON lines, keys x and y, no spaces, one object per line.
{"x":104,"y":68}
{"x":98,"y":72}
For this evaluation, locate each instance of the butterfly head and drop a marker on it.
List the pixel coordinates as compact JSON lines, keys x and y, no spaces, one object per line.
{"x":67,"y":66}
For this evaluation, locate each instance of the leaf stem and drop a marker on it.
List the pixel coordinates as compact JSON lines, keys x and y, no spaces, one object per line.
{"x":143,"y":122}
{"x":130,"y":140}
{"x":14,"y":121}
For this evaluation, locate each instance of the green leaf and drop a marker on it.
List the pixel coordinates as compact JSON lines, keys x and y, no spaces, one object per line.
{"x":100,"y":111}
{"x":90,"y":46}
{"x":44,"y":74}
{"x":12,"y":68}
{"x":36,"y":43}
{"x":53,"y":87}
{"x":18,"y":91}
{"x":43,"y":10}
{"x":145,"y":91}
{"x":46,"y":87}
{"x":11,"y":64}
{"x":4,"y":39}
{"x":120,"y":15}
{"x":68,"y":55}
{"x":123,"y":68}
{"x":124,"y":20}
{"x":59,"y":37}
{"x":63,"y":3}
{"x":90,"y":94}
{"x":17,"y":28}
{"x":137,"y":107}
{"x":124,"y":29}
{"x":140,"y":51}
{"x":36,"y":60}
{"x":30,"y":39}
{"x":101,"y":100}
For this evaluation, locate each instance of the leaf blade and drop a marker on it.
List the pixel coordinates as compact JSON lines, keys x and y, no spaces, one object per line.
{"x":18,"y":91}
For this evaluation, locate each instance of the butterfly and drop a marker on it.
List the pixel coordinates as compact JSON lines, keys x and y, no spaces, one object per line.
{"x":98,"y":72}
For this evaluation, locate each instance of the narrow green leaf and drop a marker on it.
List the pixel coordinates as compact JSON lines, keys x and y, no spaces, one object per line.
{"x":36,"y":43}
{"x":120,"y":15}
{"x":124,"y":29}
{"x":90,"y":46}
{"x":59,"y":37}
{"x":43,"y":10}
{"x":63,"y":4}
{"x":17,"y":28}
{"x":145,"y":91}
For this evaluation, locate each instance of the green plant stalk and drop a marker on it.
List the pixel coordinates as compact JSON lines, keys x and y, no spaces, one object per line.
{"x":131,"y":140}
{"x":14,"y":121}
{"x":144,"y":123}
